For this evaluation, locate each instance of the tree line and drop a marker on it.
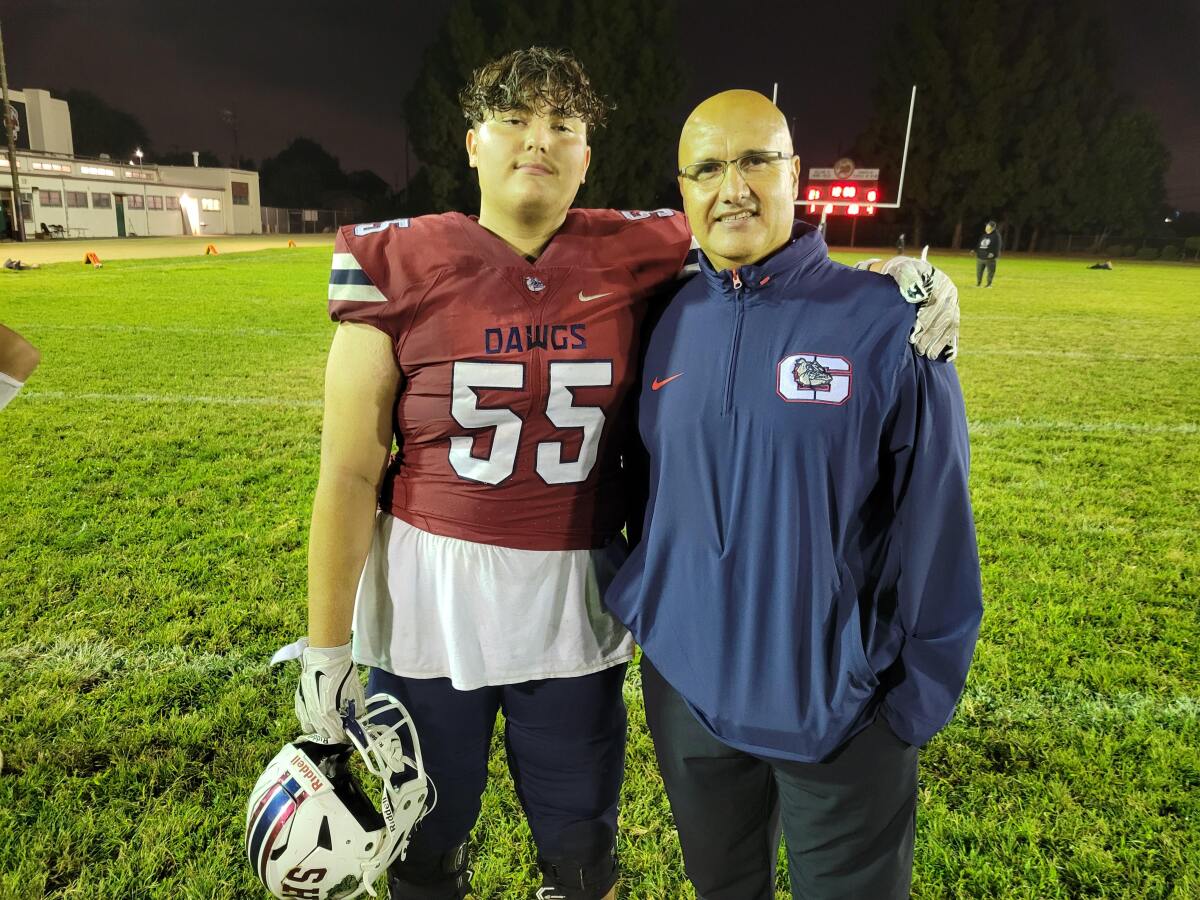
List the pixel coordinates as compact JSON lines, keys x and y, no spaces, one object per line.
{"x":1017,"y":119}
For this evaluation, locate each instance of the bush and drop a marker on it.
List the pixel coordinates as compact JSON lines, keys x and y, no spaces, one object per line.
{"x":1192,"y":245}
{"x":1148,"y":253}
{"x":1128,"y":250}
{"x":1170,"y":253}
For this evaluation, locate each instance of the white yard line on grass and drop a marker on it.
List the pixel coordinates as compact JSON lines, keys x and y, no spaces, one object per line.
{"x":33,"y":327}
{"x":1081,"y":706}
{"x":976,"y":427}
{"x":92,"y":657}
{"x":992,"y":427}
{"x":323,"y":334}
{"x":1114,"y":319}
{"x":181,"y":399}
{"x":1098,"y":356}
{"x":95,"y":657}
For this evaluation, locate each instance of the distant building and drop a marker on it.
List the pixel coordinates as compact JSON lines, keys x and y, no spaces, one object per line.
{"x":77,"y":197}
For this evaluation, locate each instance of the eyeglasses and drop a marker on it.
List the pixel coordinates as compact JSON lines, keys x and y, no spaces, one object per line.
{"x":751,"y":166}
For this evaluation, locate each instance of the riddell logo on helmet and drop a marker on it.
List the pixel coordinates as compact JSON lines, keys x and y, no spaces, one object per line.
{"x":296,"y":875}
{"x":301,"y":766}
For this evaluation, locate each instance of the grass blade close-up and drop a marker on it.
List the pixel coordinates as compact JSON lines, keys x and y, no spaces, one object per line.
{"x":156,"y":481}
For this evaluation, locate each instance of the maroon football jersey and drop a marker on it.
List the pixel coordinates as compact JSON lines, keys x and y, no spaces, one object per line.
{"x":514,"y":374}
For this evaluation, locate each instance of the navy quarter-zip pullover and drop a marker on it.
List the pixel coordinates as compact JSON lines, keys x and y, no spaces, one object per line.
{"x":809,"y":557}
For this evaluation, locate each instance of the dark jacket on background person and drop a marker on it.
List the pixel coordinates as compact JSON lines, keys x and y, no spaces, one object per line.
{"x":989,"y":245}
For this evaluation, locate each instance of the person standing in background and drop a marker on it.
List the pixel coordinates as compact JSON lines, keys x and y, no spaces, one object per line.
{"x":987,"y":251}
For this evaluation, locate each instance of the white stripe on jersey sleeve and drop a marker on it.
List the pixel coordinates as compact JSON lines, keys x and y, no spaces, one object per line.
{"x":691,"y":263}
{"x":347,"y":261}
{"x":358,"y":289}
{"x":359,"y":293}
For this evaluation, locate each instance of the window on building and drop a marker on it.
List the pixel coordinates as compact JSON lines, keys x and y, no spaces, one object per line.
{"x":51,"y":167}
{"x":241,"y":193}
{"x":101,"y":201}
{"x":27,"y":204}
{"x":134,"y":201}
{"x":154,"y":202}
{"x":171,"y":202}
{"x":139,"y":174}
{"x":77,"y":199}
{"x":211,"y":204}
{"x":97,"y":170}
{"x":50,"y":198}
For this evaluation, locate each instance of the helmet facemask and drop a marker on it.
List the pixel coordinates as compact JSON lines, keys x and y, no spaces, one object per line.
{"x":312,"y":831}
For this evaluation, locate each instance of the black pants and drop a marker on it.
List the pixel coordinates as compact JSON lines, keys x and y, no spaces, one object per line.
{"x":980,"y":265}
{"x":565,"y":743}
{"x":848,"y":821}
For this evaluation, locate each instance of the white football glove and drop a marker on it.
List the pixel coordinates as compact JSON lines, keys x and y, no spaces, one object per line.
{"x":328,"y":683}
{"x":936,"y":331}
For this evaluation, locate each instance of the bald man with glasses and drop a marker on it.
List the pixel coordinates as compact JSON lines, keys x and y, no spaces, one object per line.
{"x":806,"y":592}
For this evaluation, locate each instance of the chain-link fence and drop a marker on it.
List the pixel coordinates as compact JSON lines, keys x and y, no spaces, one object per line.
{"x":277,"y":220}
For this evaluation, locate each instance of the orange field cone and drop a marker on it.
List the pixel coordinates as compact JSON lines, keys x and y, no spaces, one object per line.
{"x":93,"y":260}
{"x":211,"y":250}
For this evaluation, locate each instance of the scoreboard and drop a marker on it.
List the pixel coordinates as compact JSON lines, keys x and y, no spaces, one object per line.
{"x":843,"y":190}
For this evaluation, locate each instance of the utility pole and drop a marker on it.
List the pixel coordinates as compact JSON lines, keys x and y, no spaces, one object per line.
{"x":10,"y":128}
{"x":229,"y":117}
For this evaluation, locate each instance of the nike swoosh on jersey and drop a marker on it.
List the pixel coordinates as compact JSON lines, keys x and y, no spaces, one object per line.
{"x":586,"y":298}
{"x":657,"y":383}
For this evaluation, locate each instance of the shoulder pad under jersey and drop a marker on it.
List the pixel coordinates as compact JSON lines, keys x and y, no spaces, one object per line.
{"x":656,"y":242}
{"x":375,"y":262}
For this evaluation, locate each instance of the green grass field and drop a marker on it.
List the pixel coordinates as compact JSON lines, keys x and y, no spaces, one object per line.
{"x":155,"y":483}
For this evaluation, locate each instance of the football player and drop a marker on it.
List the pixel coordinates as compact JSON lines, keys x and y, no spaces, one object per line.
{"x":496,"y":351}
{"x":18,"y":359}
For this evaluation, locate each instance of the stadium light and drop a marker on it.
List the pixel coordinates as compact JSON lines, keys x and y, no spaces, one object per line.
{"x":138,"y":153}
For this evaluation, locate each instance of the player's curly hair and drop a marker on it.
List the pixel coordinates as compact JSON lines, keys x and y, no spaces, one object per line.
{"x":534,"y":78}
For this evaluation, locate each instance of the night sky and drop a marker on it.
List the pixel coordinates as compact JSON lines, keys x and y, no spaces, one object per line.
{"x":338,"y":72}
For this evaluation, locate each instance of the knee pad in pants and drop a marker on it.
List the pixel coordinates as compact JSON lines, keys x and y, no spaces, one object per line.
{"x":587,"y":867}
{"x":441,"y":877}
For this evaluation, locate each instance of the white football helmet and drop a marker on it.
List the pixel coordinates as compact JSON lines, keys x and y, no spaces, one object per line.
{"x":311,"y":829}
